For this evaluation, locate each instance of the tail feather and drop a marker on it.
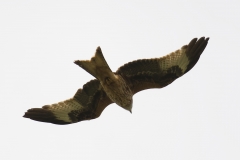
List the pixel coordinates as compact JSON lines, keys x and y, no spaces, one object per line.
{"x":97,"y":66}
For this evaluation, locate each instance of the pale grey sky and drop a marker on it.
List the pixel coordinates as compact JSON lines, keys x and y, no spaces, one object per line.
{"x":196,"y":117}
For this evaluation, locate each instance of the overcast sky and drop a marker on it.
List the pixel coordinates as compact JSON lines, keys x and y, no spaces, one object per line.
{"x":197,"y":117}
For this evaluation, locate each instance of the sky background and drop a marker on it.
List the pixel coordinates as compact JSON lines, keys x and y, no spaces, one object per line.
{"x":196,"y":117}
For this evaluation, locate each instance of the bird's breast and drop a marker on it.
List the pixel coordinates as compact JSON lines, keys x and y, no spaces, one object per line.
{"x":118,"y":90}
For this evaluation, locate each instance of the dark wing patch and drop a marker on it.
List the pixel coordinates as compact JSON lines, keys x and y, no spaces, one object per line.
{"x":159,"y":72}
{"x":88,"y":103}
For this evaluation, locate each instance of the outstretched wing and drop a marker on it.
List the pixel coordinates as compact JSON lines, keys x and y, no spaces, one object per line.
{"x":159,"y":72}
{"x":88,"y":103}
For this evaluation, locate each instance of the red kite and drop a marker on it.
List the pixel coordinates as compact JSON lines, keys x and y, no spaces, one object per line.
{"x":120,"y":86}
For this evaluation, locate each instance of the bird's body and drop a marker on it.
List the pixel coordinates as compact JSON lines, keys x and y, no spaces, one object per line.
{"x":114,"y":85}
{"x":120,"y":86}
{"x":119,"y":91}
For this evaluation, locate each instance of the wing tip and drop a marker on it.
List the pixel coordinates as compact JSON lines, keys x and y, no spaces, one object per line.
{"x":194,"y":50}
{"x":205,"y":39}
{"x":43,"y":115}
{"x":194,"y":40}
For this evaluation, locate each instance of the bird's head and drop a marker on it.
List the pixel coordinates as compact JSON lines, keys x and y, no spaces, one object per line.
{"x":129,"y":106}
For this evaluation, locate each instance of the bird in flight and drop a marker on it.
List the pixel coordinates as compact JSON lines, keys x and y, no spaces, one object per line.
{"x":120,"y":86}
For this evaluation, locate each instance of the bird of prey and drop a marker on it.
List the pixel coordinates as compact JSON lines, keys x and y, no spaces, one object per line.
{"x":120,"y":86}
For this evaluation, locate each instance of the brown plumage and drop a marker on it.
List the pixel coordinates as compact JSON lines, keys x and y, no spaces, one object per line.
{"x":119,"y":87}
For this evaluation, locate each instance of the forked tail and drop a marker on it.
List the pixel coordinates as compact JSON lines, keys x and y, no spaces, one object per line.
{"x":97,"y":66}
